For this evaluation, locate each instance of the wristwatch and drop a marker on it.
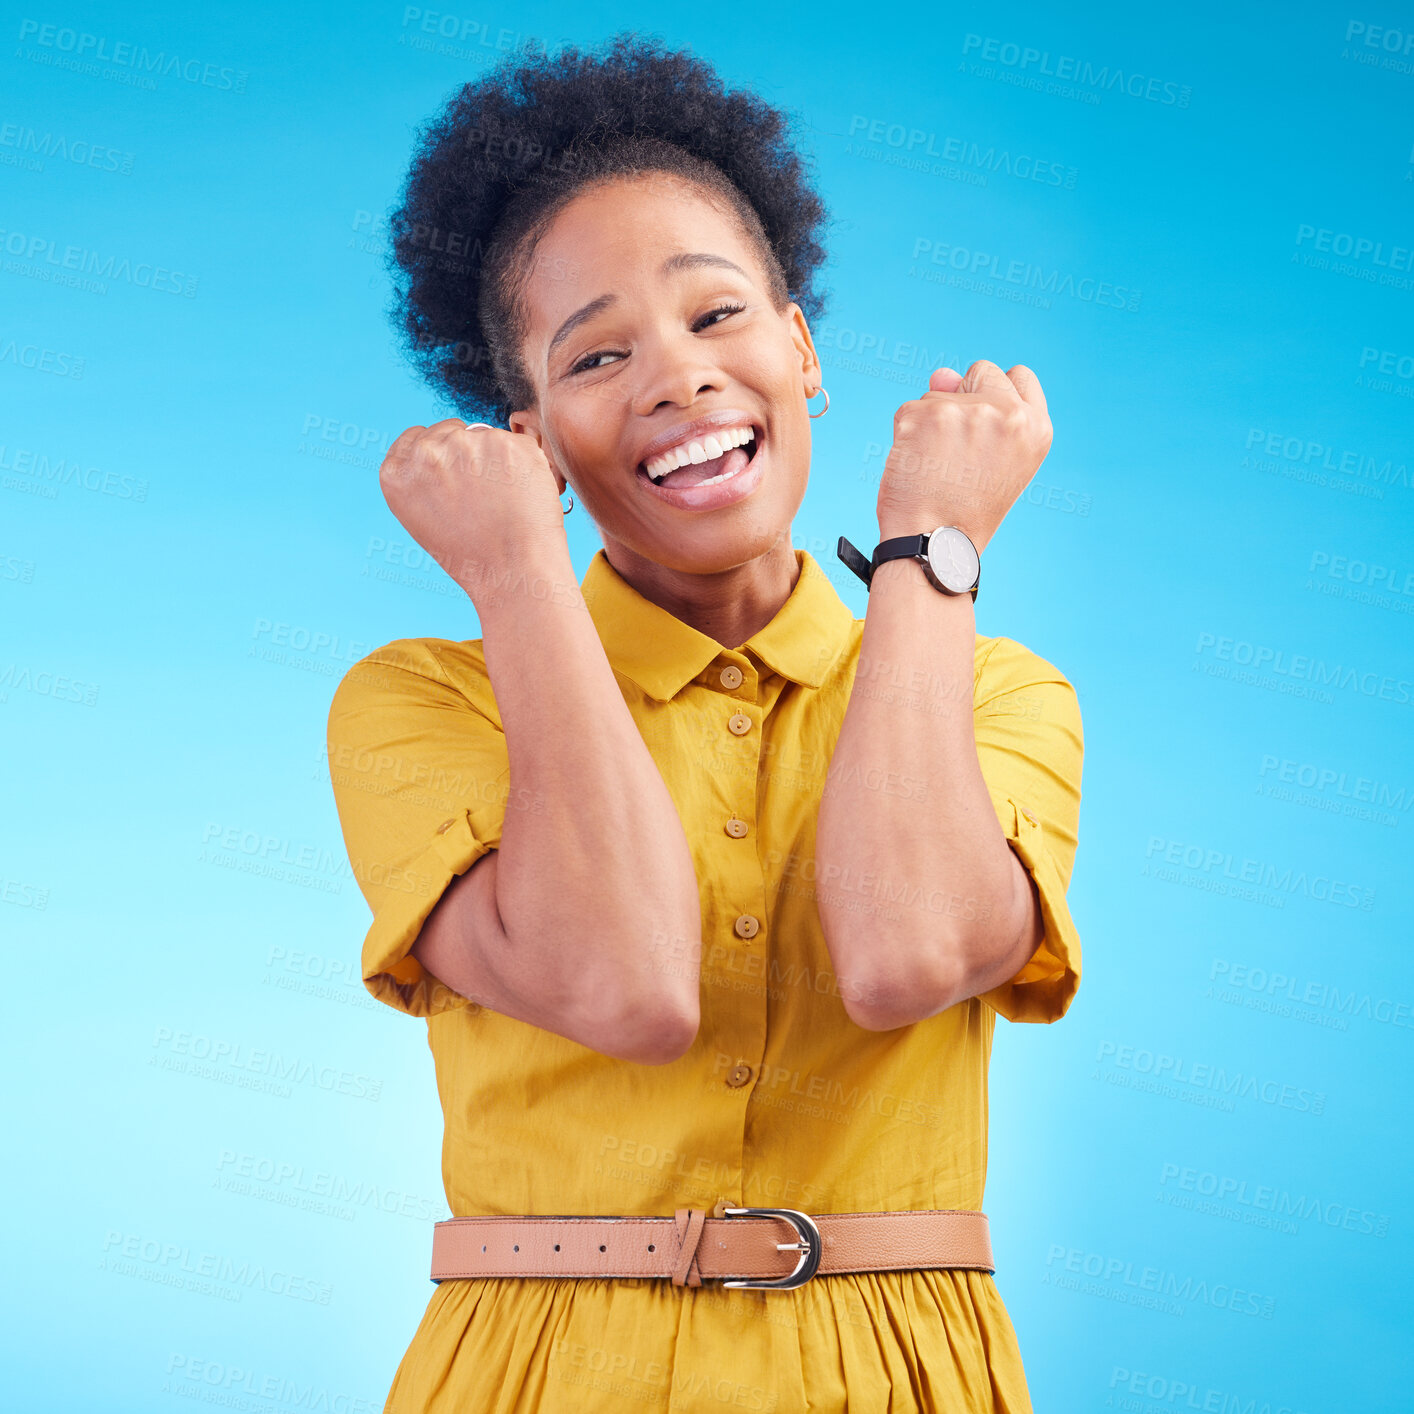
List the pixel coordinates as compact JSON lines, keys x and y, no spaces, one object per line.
{"x":947,"y":554}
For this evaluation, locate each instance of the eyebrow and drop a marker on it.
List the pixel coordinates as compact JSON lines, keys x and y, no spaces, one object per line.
{"x":681,"y":261}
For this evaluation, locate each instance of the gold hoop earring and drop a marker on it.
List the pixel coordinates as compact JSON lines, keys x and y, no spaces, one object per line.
{"x":824,"y":409}
{"x":563,"y":511}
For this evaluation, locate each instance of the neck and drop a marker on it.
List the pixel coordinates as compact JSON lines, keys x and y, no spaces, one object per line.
{"x":728,"y":605}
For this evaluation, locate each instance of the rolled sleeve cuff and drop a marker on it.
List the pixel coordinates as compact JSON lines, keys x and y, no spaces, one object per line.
{"x":1043,"y":989}
{"x":390,"y":972}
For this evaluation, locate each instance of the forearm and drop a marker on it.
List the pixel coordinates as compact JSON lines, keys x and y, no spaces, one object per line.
{"x":921,"y":899}
{"x":596,"y":886}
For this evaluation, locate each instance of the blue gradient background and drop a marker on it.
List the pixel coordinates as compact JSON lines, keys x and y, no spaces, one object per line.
{"x":195,"y":487}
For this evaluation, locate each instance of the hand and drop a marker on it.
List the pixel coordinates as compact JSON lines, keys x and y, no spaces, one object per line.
{"x":478,"y":499}
{"x":964,"y":452}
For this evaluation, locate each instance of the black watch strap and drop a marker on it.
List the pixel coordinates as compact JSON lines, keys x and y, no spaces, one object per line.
{"x":900,"y":547}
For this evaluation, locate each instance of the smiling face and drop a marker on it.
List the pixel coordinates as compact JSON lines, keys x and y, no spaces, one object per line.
{"x":647,"y":311}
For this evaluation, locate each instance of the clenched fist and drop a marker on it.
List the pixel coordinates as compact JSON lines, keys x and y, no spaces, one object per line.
{"x":964,"y":452}
{"x":478,"y":499}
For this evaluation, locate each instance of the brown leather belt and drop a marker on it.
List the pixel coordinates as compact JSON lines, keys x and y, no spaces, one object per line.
{"x":744,"y":1247}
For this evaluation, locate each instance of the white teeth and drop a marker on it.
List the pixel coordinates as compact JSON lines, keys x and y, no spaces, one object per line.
{"x":707,"y":449}
{"x":713,"y":480}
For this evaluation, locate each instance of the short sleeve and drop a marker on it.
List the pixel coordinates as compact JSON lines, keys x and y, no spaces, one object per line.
{"x":418,"y":764}
{"x":1030,"y":745}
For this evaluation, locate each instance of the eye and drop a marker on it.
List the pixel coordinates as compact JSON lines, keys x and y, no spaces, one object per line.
{"x":720,"y":309}
{"x":587,"y":362}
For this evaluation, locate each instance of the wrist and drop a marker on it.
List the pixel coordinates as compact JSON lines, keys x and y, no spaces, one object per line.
{"x":545,"y":574}
{"x":910,"y":572}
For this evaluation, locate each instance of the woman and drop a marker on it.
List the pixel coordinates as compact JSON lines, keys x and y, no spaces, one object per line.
{"x":708,"y":891}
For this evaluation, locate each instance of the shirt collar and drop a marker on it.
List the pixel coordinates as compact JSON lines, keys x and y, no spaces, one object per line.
{"x":662,"y":654}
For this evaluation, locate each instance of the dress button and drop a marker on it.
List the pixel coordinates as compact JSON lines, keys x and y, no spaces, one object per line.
{"x":738,"y":1075}
{"x":747,"y":926}
{"x":731,"y":676}
{"x":736,"y":828}
{"x":445,"y":826}
{"x":740,"y":723}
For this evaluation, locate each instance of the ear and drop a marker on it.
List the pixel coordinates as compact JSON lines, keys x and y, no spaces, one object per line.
{"x":527,"y":423}
{"x":810,"y":371}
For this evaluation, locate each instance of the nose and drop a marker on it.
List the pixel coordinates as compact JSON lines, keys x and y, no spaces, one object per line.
{"x":673,"y":372}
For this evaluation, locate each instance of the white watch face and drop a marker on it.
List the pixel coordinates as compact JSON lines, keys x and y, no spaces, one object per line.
{"x":953,"y":558}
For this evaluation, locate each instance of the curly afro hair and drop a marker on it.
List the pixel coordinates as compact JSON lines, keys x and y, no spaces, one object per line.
{"x":490,"y":172}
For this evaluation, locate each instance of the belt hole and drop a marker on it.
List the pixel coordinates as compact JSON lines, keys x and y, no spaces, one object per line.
{"x":483,"y":1246}
{"x":601,"y":1246}
{"x":651,"y":1247}
{"x":517,"y":1247}
{"x":557,"y":1247}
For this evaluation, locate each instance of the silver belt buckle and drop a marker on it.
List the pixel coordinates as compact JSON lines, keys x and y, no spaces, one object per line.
{"x":810,"y":1247}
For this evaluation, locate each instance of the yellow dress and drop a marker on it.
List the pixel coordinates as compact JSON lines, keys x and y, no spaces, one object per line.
{"x":781,"y":1101}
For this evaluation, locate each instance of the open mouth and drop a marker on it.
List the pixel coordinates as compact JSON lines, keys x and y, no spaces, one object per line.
{"x":692,"y":475}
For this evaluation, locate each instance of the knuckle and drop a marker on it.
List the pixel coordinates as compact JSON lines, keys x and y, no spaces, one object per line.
{"x":405,"y":441}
